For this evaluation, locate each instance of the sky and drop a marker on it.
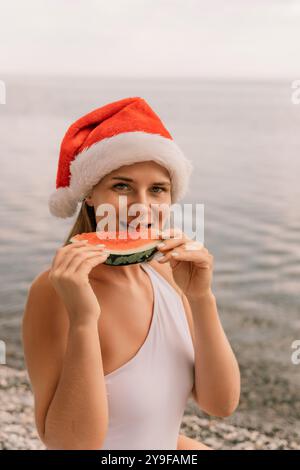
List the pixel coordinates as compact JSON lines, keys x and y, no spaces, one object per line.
{"x":147,"y":38}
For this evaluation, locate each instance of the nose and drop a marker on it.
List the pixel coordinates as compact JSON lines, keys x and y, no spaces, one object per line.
{"x":143,"y":200}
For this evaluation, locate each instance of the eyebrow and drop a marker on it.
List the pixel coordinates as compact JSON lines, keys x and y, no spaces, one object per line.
{"x":124,"y":178}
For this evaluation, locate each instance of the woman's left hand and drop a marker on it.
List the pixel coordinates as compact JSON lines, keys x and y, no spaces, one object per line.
{"x":192,"y":264}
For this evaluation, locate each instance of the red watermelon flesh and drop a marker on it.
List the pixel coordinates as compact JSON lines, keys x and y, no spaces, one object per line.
{"x":124,"y":249}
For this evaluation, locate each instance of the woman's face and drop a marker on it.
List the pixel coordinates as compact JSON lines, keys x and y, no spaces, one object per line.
{"x":143,"y":183}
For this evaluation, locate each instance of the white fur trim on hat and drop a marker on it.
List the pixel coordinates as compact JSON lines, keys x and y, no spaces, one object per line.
{"x":105,"y":156}
{"x":63,"y":203}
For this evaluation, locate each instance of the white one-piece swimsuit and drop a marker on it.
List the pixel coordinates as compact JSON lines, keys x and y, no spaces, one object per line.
{"x":148,"y":394}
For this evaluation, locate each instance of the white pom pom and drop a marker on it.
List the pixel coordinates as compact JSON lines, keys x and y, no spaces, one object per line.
{"x":63,"y":203}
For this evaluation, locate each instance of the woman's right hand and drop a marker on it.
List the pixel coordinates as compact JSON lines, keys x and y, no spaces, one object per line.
{"x":69,"y":276}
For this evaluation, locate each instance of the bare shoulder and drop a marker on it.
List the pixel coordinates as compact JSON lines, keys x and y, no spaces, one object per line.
{"x":44,"y":322}
{"x":43,"y":305}
{"x":165,"y":270}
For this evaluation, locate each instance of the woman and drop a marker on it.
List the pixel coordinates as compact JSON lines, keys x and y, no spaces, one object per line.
{"x":113,"y":352}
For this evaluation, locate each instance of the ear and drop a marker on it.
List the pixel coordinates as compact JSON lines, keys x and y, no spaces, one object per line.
{"x":88,"y":199}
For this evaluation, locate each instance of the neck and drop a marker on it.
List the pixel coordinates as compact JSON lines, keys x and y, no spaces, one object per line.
{"x":116,"y":274}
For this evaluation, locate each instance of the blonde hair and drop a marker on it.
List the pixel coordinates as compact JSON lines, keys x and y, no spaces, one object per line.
{"x":85,"y":222}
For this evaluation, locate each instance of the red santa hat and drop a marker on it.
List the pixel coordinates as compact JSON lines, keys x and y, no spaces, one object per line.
{"x":120,"y":133}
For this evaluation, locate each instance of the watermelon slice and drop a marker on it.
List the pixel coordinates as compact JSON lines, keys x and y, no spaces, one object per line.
{"x":124,"y":249}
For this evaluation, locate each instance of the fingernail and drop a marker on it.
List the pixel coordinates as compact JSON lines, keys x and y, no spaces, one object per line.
{"x":193,"y":246}
{"x":160,"y":245}
{"x":174,"y":253}
{"x":158,"y":256}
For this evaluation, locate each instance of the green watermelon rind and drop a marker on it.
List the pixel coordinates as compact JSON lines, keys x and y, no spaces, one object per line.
{"x":123,"y":260}
{"x":126,"y":257}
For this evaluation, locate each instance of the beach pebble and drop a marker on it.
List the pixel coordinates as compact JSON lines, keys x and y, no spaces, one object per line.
{"x":18,"y":428}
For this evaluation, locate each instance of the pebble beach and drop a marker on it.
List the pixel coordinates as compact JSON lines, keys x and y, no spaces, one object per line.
{"x":18,"y":429}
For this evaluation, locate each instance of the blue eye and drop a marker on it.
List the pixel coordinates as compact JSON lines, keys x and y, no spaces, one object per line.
{"x":120,"y":184}
{"x":124,"y":185}
{"x":158,"y":187}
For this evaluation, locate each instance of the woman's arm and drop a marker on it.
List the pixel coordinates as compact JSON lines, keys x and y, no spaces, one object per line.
{"x":66,"y":372}
{"x":77,"y":416}
{"x":217,"y":376}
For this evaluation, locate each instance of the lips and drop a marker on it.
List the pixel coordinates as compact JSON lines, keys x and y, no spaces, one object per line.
{"x":139,"y":227}
{"x":126,"y":226}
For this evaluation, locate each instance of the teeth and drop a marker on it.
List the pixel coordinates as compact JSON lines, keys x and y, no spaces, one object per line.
{"x":143,"y":226}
